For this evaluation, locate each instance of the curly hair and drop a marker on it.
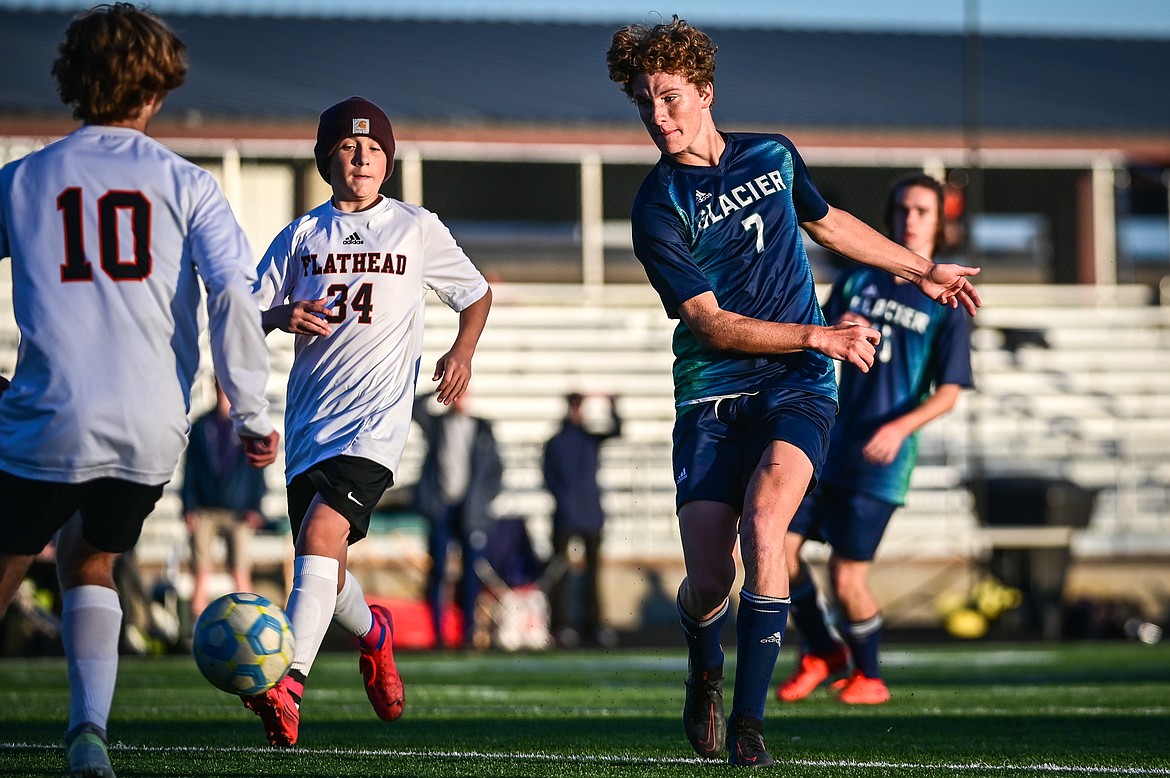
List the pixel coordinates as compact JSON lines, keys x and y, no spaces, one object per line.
{"x":673,"y":47}
{"x":114,"y":59}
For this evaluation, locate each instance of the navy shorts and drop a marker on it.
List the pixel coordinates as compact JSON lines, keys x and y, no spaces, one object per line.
{"x":718,"y":443}
{"x":851,"y":522}
{"x":352,"y":486}
{"x":112,"y":512}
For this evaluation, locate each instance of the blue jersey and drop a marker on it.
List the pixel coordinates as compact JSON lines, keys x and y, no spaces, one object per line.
{"x":923,"y":345}
{"x":733,"y":229}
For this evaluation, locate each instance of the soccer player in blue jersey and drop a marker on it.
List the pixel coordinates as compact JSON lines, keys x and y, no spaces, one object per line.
{"x":922,"y":365}
{"x":716,"y":225}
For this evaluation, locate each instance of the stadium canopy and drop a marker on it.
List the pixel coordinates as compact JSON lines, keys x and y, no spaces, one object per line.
{"x":267,"y":75}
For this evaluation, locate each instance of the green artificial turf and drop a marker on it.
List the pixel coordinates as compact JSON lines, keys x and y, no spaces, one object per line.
{"x":975,"y":709}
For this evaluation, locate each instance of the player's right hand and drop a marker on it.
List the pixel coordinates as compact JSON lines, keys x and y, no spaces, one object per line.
{"x":261,"y":452}
{"x":849,"y":342}
{"x":304,"y":317}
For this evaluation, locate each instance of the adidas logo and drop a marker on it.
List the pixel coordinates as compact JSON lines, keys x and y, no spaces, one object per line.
{"x":870,"y":291}
{"x":681,"y":477}
{"x":702,"y":197}
{"x":775,"y":637}
{"x":353,"y":240}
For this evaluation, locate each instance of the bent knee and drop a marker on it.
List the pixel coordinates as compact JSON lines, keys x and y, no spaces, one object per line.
{"x":705,"y":594}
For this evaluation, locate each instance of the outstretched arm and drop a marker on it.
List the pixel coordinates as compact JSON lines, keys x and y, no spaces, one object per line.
{"x":853,"y":239}
{"x":720,"y":330}
{"x":453,"y":370}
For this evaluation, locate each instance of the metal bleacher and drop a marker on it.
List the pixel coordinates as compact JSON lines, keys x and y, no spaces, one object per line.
{"x":1072,"y":382}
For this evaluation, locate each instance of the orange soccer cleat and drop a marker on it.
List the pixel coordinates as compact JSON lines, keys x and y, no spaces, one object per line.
{"x":811,"y":671}
{"x":861,"y":690}
{"x":278,"y":711}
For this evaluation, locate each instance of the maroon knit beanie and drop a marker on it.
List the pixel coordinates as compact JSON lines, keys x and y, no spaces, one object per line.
{"x":348,"y":119}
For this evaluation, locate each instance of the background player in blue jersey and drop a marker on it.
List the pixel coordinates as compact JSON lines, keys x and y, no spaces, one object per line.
{"x":923,"y":363}
{"x":717,"y":225}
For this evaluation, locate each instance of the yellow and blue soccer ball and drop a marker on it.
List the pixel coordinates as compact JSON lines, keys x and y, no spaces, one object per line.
{"x":243,"y":643}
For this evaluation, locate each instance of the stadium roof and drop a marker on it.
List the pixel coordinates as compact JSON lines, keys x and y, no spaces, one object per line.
{"x":250,"y":71}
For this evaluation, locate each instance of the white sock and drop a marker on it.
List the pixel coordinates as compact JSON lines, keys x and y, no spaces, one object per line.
{"x":310,"y":606}
{"x":352,"y":613}
{"x":91,"y":622}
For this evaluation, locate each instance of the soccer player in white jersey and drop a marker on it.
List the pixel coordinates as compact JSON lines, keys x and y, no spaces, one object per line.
{"x":110,"y":235}
{"x":349,"y":279}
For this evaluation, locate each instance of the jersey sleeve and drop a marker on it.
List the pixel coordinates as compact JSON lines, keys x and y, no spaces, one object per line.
{"x":662,"y":246}
{"x":273,"y":282}
{"x":953,"y":350}
{"x":806,"y":198}
{"x":224,"y":261}
{"x":448,"y":270}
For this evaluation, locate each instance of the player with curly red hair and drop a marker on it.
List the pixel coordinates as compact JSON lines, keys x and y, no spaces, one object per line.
{"x":717,"y":226}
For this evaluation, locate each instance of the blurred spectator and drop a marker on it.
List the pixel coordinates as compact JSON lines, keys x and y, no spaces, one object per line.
{"x":461,"y":475}
{"x":571,"y":461}
{"x":221,"y":497}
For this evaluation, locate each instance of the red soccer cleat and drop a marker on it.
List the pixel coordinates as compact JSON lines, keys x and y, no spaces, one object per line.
{"x":811,"y":671}
{"x":383,"y":684}
{"x":278,"y":710}
{"x":861,"y":690}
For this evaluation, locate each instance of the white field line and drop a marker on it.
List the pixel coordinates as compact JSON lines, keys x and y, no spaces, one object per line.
{"x":1046,"y":769}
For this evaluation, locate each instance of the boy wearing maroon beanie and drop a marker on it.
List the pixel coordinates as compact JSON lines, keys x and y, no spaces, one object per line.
{"x":349,"y":280}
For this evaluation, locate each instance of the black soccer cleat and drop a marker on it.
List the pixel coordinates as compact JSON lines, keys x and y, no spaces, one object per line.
{"x":87,"y":752}
{"x":703,"y":719}
{"x":745,"y":744}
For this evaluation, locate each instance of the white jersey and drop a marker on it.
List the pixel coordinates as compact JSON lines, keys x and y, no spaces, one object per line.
{"x":351,"y":393}
{"x":109,"y":233}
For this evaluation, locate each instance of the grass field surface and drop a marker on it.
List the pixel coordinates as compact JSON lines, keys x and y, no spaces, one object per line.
{"x":958,"y":711}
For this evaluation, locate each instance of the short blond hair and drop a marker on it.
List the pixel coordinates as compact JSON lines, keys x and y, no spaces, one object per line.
{"x":673,"y":47}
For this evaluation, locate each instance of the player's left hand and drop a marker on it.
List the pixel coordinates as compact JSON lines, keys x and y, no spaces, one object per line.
{"x":261,"y":452}
{"x":947,"y":284}
{"x":883,"y":447}
{"x":453,"y":372}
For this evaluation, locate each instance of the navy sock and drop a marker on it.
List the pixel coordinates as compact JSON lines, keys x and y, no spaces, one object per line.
{"x":704,"y":647}
{"x":864,"y":639}
{"x":810,"y":619}
{"x":759,"y":627}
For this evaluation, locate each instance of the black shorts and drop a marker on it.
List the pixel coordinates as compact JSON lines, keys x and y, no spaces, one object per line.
{"x":352,"y":486}
{"x":112,"y":511}
{"x":718,"y":443}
